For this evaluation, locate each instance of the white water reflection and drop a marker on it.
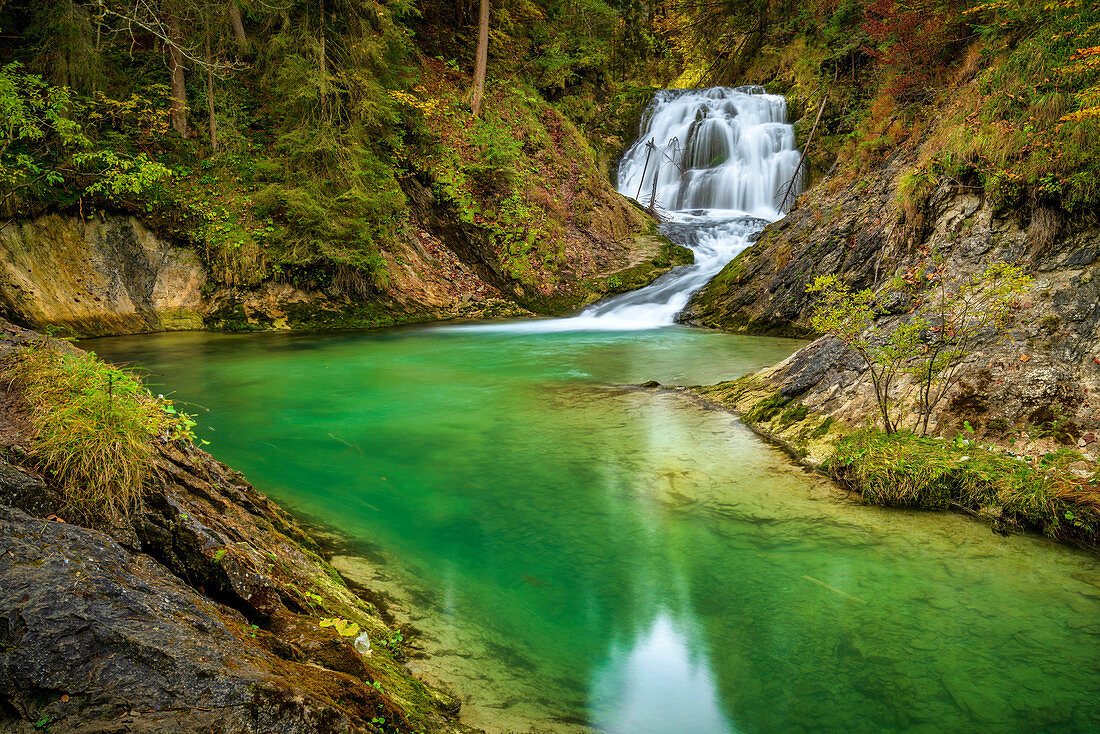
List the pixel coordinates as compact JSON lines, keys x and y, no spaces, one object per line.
{"x":656,"y":684}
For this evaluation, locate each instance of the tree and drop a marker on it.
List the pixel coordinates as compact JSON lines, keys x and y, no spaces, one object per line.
{"x":957,"y":314}
{"x":482,"y":57}
{"x":852,"y":317}
{"x":238,"y":25}
{"x":948,"y":318}
{"x":910,"y":37}
{"x":177,"y":83}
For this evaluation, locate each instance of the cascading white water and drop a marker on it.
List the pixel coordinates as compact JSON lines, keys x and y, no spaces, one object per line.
{"x":727,"y":151}
{"x":717,"y":169}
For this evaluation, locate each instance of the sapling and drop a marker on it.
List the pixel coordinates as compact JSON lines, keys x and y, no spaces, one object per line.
{"x":947,"y":318}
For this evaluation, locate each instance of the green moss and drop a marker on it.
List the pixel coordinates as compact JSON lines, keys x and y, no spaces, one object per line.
{"x":793,"y":414}
{"x":669,"y":255}
{"x":364,"y":315}
{"x":822,"y":429}
{"x":230,"y":316}
{"x":766,"y":409}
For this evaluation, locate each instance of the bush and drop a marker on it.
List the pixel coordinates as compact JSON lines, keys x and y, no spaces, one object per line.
{"x":93,"y":427}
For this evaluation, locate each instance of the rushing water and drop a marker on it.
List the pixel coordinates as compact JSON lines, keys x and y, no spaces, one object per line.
{"x":577,"y":553}
{"x":716,"y":162}
{"x":580,"y":554}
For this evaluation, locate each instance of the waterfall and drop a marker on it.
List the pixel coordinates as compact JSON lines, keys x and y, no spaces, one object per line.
{"x":725,"y":151}
{"x":715,"y":163}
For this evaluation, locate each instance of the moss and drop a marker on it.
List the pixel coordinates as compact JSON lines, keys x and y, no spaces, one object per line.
{"x":230,"y":316}
{"x":794,"y":413}
{"x":822,"y":429}
{"x":740,"y":322}
{"x":766,"y":409}
{"x":668,"y":256}
{"x":366,"y":314}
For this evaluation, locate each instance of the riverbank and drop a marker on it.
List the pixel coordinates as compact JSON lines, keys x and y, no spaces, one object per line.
{"x":112,"y":274}
{"x":205,"y":608}
{"x":1035,"y":484}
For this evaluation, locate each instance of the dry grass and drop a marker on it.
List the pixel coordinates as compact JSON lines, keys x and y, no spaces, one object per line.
{"x":94,"y":427}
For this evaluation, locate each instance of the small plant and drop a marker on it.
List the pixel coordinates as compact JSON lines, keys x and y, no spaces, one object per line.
{"x":947,"y":319}
{"x":392,"y":641}
{"x":964,"y":437}
{"x":94,"y":427}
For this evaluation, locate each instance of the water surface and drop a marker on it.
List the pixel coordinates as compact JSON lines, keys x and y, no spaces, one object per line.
{"x":581,"y":554}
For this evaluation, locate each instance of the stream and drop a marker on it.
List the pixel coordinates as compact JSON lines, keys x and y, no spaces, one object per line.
{"x":579,"y":554}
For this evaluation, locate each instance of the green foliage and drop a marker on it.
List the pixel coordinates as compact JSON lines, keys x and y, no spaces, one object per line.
{"x":904,"y":470}
{"x":948,"y":317}
{"x":46,"y":153}
{"x":94,"y":427}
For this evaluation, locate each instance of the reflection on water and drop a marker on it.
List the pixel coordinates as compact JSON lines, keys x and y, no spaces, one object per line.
{"x":580,"y":555}
{"x":655,"y":683}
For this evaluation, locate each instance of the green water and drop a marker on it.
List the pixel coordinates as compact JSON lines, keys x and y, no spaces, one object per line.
{"x":578,"y":553}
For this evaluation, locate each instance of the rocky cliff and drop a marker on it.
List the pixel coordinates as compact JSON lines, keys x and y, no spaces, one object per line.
{"x":201,"y":612}
{"x":1038,"y":383}
{"x":112,"y":274}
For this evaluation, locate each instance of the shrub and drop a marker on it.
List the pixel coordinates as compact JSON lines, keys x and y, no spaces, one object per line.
{"x":948,"y":318}
{"x":93,"y":427}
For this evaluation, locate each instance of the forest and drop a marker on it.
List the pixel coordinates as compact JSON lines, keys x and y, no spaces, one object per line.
{"x":273,"y":137}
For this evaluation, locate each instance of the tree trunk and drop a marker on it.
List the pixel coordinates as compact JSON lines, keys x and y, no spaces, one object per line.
{"x":482,"y":57}
{"x":178,"y":88}
{"x":238,"y":25}
{"x":210,"y":96}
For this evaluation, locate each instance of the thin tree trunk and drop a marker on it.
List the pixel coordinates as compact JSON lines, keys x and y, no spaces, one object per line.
{"x":238,"y":25}
{"x":210,"y":96}
{"x":178,"y":88}
{"x":482,"y":57}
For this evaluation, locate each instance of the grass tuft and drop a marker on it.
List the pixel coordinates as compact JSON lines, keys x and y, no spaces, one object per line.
{"x":908,"y":471}
{"x":94,"y":427}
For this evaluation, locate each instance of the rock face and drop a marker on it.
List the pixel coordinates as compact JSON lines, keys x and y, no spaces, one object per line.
{"x":98,"y":276}
{"x":199,"y":613}
{"x":1043,"y":378}
{"x":113,"y":275}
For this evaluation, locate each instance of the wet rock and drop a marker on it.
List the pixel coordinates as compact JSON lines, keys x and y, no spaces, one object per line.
{"x":94,"y":638}
{"x":807,"y":367}
{"x":26,"y":492}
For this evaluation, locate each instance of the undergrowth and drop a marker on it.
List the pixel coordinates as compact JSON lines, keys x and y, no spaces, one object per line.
{"x":904,"y":470}
{"x":94,"y":427}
